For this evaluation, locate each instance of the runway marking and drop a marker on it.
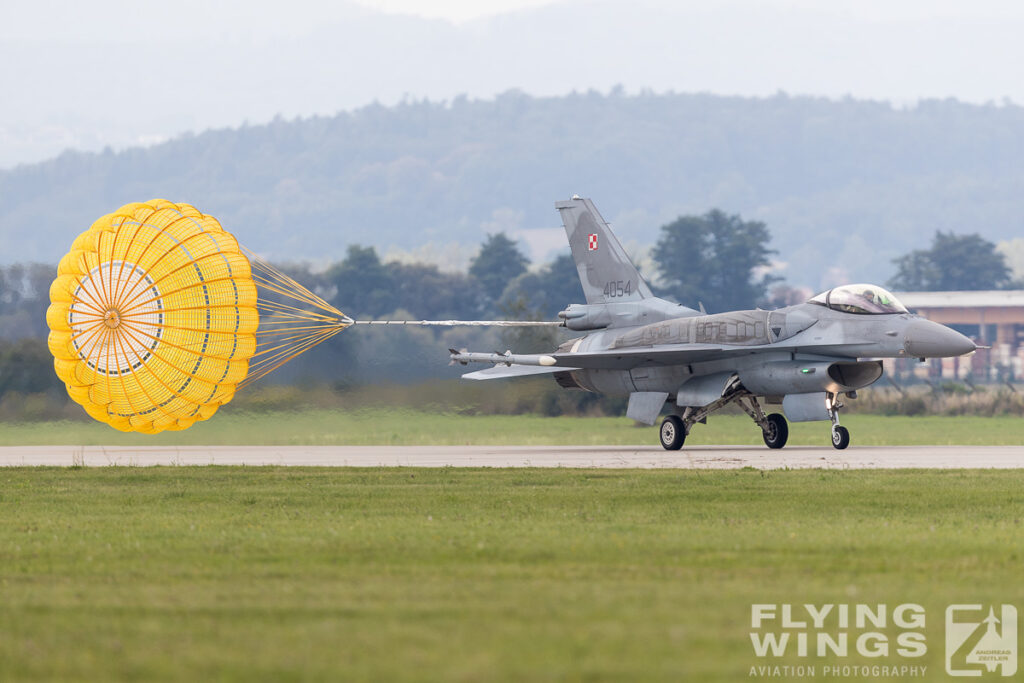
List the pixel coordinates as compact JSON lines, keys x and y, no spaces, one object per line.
{"x":642,"y":457}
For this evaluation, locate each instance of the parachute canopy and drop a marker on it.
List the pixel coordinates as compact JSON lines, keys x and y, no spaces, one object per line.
{"x":157,"y":316}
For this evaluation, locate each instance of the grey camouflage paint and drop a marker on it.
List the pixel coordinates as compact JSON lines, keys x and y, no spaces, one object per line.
{"x":599,"y":257}
{"x":640,"y":344}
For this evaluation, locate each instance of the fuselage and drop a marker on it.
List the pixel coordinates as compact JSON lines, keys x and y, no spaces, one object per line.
{"x":796,"y":349}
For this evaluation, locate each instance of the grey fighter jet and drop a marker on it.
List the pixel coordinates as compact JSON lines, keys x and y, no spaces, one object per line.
{"x":806,"y":358}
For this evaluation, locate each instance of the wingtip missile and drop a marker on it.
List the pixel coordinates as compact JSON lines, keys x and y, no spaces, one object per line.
{"x":456,"y":356}
{"x":497,"y":358}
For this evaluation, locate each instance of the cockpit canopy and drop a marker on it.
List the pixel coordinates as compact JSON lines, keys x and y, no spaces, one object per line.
{"x":863,"y":299}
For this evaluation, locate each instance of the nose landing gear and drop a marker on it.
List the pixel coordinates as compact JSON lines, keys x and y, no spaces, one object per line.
{"x":840,"y":434}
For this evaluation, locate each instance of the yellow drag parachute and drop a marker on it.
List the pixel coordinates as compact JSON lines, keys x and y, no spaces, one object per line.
{"x":157,"y":316}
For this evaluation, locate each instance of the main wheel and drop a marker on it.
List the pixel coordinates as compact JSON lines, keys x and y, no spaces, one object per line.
{"x":778,"y":431}
{"x":840,"y":437}
{"x":672,"y":433}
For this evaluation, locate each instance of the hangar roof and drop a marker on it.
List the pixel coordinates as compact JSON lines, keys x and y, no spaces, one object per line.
{"x":998,"y":298}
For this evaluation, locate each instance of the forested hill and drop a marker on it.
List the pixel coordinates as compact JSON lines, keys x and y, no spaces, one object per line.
{"x":844,"y":186}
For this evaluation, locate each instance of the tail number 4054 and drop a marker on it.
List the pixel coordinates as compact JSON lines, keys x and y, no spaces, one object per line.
{"x":617,"y":288}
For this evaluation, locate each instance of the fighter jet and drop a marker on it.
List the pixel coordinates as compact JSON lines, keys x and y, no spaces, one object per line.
{"x":805,"y":358}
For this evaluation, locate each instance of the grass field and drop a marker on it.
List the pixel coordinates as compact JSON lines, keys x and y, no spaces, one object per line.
{"x":322,"y":427}
{"x":245,"y":574}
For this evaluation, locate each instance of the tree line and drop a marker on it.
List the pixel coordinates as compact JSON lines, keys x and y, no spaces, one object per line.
{"x":715,"y":259}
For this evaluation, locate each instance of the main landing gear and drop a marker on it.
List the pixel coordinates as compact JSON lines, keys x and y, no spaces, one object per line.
{"x":672,"y":433}
{"x":774,"y":428}
{"x":777,"y":433}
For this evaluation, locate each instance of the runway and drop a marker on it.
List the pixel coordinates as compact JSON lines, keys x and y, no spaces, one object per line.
{"x":644,"y":457}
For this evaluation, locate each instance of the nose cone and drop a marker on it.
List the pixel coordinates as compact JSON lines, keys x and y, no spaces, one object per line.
{"x":927,"y":339}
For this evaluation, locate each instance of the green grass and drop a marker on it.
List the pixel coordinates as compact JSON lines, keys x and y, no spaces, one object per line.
{"x":322,"y":427}
{"x":472,"y":575}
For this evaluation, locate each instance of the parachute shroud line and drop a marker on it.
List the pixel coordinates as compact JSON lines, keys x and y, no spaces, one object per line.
{"x":287,"y":330}
{"x":158,"y":316}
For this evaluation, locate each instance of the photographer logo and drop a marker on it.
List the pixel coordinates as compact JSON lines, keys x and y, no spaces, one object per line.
{"x":981,"y":640}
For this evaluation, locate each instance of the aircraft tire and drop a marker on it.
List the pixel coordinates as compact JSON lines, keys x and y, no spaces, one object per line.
{"x":840,"y":437}
{"x":672,"y":433}
{"x":778,"y":431}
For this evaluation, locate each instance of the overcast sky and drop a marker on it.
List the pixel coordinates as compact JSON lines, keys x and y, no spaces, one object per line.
{"x":86,"y":75}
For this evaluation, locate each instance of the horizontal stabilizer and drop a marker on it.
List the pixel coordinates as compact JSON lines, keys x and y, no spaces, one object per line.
{"x":502,"y":371}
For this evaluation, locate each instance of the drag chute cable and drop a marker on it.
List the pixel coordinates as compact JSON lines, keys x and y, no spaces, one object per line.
{"x":460,"y":323}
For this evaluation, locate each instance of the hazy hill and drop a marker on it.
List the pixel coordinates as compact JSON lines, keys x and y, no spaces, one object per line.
{"x":844,"y":186}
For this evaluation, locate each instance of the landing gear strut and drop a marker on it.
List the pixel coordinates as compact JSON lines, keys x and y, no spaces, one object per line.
{"x":774,"y":427}
{"x":840,"y":434}
{"x":675,"y":428}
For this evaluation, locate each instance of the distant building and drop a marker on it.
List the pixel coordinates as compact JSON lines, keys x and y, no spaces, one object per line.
{"x":990,"y":318}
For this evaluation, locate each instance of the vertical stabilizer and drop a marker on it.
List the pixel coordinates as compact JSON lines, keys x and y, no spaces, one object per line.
{"x":605,"y":270}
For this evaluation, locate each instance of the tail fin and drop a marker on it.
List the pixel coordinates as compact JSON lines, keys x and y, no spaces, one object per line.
{"x":605,"y":270}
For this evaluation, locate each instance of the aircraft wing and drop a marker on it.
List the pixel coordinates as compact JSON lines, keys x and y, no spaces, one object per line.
{"x":644,"y":356}
{"x":619,"y":359}
{"x":501,"y":371}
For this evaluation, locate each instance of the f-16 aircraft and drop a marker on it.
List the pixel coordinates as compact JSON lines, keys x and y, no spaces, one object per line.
{"x":805,"y":358}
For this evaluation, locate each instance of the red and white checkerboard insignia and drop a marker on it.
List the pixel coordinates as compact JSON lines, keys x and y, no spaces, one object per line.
{"x":592,"y":242}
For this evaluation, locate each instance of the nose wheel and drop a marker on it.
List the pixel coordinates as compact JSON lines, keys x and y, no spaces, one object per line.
{"x":840,"y":437}
{"x":840,"y":434}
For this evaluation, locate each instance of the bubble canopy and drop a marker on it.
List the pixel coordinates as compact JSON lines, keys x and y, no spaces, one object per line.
{"x":863,"y":299}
